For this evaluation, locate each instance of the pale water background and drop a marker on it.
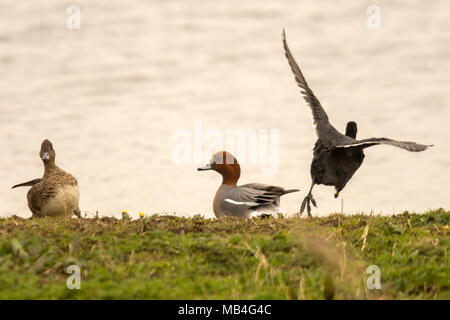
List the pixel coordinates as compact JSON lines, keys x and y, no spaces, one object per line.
{"x":109,"y":97}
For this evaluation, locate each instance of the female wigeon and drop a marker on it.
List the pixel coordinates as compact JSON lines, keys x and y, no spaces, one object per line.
{"x":244,"y":201}
{"x":57,"y":193}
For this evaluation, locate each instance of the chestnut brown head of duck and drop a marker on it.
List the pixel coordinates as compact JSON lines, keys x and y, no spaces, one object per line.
{"x":47,"y":152}
{"x":226,"y":164}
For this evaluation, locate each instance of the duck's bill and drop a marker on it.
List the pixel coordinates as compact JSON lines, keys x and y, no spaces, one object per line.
{"x":45,"y":156}
{"x":206,"y":167}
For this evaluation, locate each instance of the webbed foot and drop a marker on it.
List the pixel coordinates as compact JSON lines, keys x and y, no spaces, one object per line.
{"x":307,"y":203}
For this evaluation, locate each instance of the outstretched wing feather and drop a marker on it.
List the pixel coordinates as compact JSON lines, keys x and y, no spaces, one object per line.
{"x":406,"y":145}
{"x":317,"y":112}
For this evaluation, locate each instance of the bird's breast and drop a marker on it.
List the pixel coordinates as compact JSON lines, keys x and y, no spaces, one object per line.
{"x":62,"y":202}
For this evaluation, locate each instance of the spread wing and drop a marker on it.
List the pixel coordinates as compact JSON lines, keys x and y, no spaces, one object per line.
{"x":256,"y":194}
{"x":318,"y":114}
{"x":406,"y":145}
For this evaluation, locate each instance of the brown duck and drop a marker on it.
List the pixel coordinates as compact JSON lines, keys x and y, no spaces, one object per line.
{"x":56,"y":193}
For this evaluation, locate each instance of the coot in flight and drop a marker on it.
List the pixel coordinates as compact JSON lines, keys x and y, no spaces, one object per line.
{"x":336,"y":156}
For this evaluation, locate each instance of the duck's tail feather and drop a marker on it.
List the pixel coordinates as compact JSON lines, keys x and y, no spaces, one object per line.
{"x":290,"y":191}
{"x":28,"y":183}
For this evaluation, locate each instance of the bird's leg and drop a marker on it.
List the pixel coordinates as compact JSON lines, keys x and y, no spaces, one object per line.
{"x":308,"y":200}
{"x":337,"y":193}
{"x":77,"y":212}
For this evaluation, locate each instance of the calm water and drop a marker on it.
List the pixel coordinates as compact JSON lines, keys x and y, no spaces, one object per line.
{"x":111,"y":95}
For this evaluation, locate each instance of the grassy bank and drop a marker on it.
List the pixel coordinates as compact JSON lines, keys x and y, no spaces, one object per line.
{"x":163,"y":257}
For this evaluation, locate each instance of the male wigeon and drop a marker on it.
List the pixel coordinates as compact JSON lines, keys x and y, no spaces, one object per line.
{"x":244,"y":201}
{"x":336,"y":156}
{"x":56,"y":193}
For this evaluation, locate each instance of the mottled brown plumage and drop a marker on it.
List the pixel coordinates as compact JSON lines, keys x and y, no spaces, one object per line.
{"x":57,"y":193}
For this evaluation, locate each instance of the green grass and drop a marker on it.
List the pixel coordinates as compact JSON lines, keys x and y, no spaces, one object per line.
{"x":163,"y":257}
